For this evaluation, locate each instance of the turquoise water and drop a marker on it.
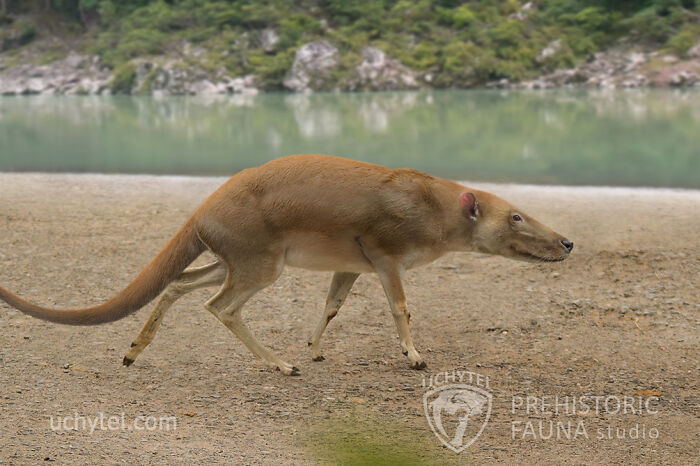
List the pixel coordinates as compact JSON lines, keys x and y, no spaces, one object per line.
{"x":642,"y":138}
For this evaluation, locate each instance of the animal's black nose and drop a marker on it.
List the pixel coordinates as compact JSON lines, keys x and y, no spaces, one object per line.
{"x":567,"y":244}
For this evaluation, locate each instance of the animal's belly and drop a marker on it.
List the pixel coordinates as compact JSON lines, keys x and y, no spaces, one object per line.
{"x":319,"y":252}
{"x":418,"y":257}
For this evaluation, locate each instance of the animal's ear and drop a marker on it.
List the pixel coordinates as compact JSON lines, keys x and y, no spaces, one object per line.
{"x":470,"y":206}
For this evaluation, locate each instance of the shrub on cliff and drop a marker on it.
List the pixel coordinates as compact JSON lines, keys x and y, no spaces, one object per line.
{"x":453,"y":42}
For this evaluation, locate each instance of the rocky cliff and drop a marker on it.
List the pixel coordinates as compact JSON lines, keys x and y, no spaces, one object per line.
{"x":317,"y":66}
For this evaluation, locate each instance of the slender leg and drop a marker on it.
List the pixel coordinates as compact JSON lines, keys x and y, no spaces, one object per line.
{"x":391,"y":281}
{"x":390,"y":274}
{"x":226,"y":305}
{"x":188,"y":281}
{"x":340,"y":287}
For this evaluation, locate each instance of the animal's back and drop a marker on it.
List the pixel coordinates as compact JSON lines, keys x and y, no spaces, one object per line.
{"x":324,"y":192}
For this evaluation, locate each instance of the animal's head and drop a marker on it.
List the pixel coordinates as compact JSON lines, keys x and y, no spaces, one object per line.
{"x":499,"y":228}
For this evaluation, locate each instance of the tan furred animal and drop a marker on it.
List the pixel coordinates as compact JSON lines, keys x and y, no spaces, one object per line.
{"x":322,"y":213}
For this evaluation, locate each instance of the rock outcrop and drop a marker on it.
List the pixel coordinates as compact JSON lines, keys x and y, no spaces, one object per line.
{"x":83,"y":74}
{"x":550,"y":50}
{"x":604,"y":70}
{"x":269,"y":39}
{"x":311,"y":66}
{"x":694,"y":52}
{"x":75,"y":74}
{"x":174,"y":78}
{"x":377,"y":72}
{"x":618,"y":69}
{"x":314,"y":62}
{"x":318,"y":66}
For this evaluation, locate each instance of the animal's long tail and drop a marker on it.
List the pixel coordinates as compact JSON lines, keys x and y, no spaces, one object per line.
{"x":182,"y":250}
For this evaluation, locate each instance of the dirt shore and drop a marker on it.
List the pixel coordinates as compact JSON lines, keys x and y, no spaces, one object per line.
{"x":619,"y":318}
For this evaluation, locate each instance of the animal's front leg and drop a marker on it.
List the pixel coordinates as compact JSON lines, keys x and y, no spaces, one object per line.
{"x":391,"y":280}
{"x":389,"y":271}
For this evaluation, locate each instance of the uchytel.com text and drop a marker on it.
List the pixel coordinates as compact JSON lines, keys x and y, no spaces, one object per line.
{"x":101,"y":421}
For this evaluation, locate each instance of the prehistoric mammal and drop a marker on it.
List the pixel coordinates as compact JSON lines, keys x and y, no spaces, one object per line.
{"x":324,"y":213}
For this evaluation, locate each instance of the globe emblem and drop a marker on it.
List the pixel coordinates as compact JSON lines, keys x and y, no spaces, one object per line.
{"x":457,"y":414}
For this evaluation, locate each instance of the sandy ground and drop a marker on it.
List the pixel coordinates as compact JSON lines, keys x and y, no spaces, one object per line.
{"x":619,"y":318}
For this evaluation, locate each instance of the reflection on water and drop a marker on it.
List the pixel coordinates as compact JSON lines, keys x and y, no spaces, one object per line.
{"x":637,"y":137}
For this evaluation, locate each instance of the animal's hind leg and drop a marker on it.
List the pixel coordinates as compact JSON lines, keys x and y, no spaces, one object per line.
{"x":226,"y":305}
{"x":340,"y":287}
{"x":188,"y":281}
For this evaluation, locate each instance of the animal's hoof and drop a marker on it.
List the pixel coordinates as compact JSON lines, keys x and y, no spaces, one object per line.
{"x":419,"y":365}
{"x":133,"y":343}
{"x":309,"y":343}
{"x":318,"y":358}
{"x":289,"y":371}
{"x":127,"y":361}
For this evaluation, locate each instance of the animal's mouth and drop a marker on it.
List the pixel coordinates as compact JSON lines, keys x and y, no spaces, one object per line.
{"x":535,"y":258}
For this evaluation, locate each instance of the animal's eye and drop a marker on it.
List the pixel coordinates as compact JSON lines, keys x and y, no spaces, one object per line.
{"x":517,"y":218}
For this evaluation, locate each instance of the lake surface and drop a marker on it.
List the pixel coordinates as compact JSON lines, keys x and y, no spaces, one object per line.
{"x":634,"y":138}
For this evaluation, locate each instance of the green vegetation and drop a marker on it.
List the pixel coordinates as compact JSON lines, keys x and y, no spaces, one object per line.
{"x":353,"y":435}
{"x":124,"y":76}
{"x":459,"y":43}
{"x":15,"y":34}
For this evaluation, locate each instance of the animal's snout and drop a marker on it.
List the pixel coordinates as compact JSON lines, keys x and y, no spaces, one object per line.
{"x":569,"y":245}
